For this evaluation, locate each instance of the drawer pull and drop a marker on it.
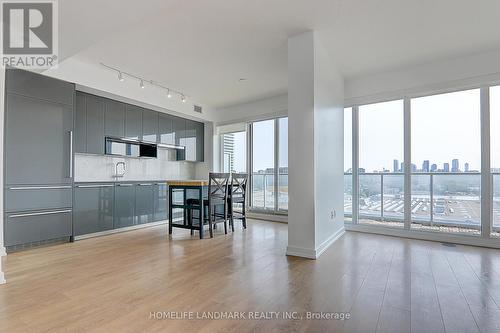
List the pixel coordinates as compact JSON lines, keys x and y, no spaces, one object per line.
{"x":42,"y":213}
{"x":40,"y":188}
{"x":94,"y":186}
{"x":125,"y":185}
{"x":145,"y":184}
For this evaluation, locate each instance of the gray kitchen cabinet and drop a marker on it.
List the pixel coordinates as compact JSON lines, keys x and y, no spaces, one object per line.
{"x":160,"y":201}
{"x":114,"y":119}
{"x":37,"y":141}
{"x":179,"y":131}
{"x":190,"y":140}
{"x":165,"y":129}
{"x":144,"y":203}
{"x":93,"y":209}
{"x":149,"y":126}
{"x":133,"y":122}
{"x":80,"y":136}
{"x":200,"y":141}
{"x":36,"y":226}
{"x":39,"y":86}
{"x":28,"y":198}
{"x":95,"y":124}
{"x":124,"y":214}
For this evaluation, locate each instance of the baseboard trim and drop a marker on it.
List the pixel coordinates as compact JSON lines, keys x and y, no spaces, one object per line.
{"x":115,"y":231}
{"x":267,"y":217}
{"x":316,"y":253}
{"x":426,"y":235}
{"x":329,"y":241}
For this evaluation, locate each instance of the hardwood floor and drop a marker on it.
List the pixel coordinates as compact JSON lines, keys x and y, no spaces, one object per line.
{"x":115,"y":283}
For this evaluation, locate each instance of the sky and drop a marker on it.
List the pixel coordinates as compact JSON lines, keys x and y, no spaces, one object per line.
{"x":444,"y":127}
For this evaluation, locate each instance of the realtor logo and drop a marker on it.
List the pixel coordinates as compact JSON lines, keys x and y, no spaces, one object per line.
{"x":29,"y":34}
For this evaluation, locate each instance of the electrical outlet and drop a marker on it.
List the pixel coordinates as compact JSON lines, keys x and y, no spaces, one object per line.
{"x":333,"y":214}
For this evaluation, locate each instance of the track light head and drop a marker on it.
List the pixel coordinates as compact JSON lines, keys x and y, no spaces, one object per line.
{"x":183,"y":99}
{"x":169,"y":95}
{"x":141,"y":84}
{"x":120,"y":77}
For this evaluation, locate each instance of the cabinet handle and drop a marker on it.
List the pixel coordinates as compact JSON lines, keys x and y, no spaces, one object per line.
{"x":125,"y":185}
{"x":70,"y":154}
{"x":93,"y":186}
{"x":145,"y":184}
{"x":42,"y":213}
{"x":39,"y":188}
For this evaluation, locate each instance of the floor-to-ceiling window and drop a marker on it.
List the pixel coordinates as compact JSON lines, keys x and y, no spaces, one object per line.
{"x":269,"y":163}
{"x":495,"y":158}
{"x":348,"y":164}
{"x":234,"y":152}
{"x":381,"y":151}
{"x":442,"y":136}
{"x":446,"y":162}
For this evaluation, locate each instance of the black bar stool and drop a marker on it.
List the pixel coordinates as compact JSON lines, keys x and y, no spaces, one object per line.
{"x":237,"y":196}
{"x":217,"y":197}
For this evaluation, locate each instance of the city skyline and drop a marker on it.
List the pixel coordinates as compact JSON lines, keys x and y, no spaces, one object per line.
{"x":426,"y":166}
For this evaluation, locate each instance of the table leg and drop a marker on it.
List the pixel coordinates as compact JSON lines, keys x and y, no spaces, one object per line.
{"x":202,"y":209}
{"x":170,"y":210}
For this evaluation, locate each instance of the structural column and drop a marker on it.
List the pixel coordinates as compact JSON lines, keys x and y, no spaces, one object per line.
{"x":2,"y":128}
{"x":316,"y":147}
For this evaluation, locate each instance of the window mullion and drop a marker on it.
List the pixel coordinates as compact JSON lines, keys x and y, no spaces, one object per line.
{"x":486,"y":193}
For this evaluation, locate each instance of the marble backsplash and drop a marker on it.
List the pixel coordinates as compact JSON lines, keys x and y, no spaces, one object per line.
{"x":97,"y":168}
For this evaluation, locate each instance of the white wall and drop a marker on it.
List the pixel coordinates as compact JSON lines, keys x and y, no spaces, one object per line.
{"x":328,"y":147}
{"x":301,"y":180}
{"x":444,"y":75}
{"x":315,"y":157}
{"x":270,"y":107}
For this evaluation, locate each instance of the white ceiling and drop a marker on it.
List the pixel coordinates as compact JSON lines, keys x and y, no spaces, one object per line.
{"x":203,"y":47}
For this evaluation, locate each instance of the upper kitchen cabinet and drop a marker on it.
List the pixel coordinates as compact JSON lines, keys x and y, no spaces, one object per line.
{"x":89,"y":124}
{"x":178,"y":129}
{"x":200,"y":141}
{"x":190,"y":141}
{"x":133,"y":122}
{"x":165,"y":129}
{"x":149,"y":126}
{"x":38,"y":129}
{"x":38,"y":86}
{"x":114,"y":119}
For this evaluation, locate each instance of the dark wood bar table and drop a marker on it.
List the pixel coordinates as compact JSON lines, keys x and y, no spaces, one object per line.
{"x":184,"y":186}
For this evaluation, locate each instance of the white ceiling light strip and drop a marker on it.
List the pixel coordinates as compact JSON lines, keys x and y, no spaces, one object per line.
{"x":121,"y":77}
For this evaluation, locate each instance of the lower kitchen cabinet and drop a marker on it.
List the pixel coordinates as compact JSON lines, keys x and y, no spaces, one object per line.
{"x":36,"y":226}
{"x":124,"y":205}
{"x":144,"y":203}
{"x":93,"y":209}
{"x":161,"y":201}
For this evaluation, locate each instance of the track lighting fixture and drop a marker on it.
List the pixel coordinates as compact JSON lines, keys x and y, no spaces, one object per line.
{"x":121,"y":77}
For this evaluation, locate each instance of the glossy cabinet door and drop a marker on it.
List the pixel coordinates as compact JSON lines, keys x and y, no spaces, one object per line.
{"x":37,"y":141}
{"x":200,"y":141}
{"x":114,"y":119}
{"x":133,"y":122}
{"x":95,"y":124}
{"x":179,"y":129}
{"x":80,"y":136}
{"x":190,"y":141}
{"x":149,"y":126}
{"x":161,"y":201}
{"x":93,"y":210}
{"x":124,"y":205}
{"x":165,"y":129}
{"x":144,"y":203}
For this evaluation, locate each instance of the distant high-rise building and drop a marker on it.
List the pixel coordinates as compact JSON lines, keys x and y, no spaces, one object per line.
{"x":425,"y":166}
{"x":413,"y":168}
{"x":402,"y":169}
{"x":446,"y":167}
{"x":434,"y":167}
{"x":466,"y":167}
{"x":455,"y":166}
{"x":395,"y":166}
